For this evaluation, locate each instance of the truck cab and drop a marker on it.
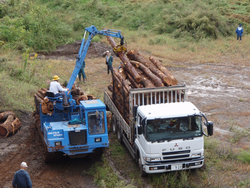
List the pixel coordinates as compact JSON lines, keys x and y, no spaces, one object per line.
{"x":77,"y":130}
{"x":169,"y":137}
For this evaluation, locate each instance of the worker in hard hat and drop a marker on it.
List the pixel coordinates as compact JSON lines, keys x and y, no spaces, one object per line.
{"x":174,"y":124}
{"x":56,"y":88}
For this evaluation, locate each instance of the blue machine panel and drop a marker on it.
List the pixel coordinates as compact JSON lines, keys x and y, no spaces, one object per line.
{"x":92,"y":104}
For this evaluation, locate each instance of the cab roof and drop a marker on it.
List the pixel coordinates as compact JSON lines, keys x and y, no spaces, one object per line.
{"x":92,"y":104}
{"x":168,"y":110}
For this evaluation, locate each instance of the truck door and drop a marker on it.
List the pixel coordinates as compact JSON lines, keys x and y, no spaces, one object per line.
{"x":141,"y":132}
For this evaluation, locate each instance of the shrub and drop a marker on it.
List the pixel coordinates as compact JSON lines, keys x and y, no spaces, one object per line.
{"x":244,"y":156}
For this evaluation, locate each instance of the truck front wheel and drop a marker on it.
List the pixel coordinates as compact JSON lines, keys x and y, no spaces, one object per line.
{"x":142,"y":172}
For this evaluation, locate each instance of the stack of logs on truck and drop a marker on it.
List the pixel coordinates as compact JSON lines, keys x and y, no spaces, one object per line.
{"x":47,"y":105}
{"x":138,"y":72}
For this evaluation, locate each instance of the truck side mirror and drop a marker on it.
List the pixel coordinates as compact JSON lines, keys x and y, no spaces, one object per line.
{"x":210,"y":128}
{"x":139,"y":129}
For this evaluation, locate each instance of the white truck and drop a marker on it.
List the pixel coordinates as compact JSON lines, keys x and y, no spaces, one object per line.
{"x":164,"y":132}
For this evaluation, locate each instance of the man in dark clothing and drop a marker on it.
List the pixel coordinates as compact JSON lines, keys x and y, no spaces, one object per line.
{"x":109,"y":61}
{"x":22,"y":178}
{"x":239,"y":32}
{"x":82,"y":73}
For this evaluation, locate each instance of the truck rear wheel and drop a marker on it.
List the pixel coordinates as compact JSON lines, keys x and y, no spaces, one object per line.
{"x":114,"y":125}
{"x":142,"y":172}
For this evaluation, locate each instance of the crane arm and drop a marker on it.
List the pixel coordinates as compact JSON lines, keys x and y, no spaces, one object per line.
{"x":85,"y":45}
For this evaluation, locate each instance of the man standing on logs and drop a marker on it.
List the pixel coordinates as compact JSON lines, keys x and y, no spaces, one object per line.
{"x":109,"y":61}
{"x":21,"y":177}
{"x":55,"y":87}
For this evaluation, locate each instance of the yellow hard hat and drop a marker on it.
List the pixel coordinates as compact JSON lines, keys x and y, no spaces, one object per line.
{"x":56,"y":77}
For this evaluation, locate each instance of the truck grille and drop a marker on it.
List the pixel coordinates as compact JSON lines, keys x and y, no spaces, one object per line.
{"x":78,"y":138}
{"x":176,"y":155}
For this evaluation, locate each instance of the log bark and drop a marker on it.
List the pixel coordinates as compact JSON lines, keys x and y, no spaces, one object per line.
{"x":125,"y":61}
{"x":145,"y":81}
{"x":40,"y":95}
{"x":133,"y":82}
{"x":44,"y":89}
{"x":41,"y":92}
{"x":163,"y":69}
{"x":50,"y":106}
{"x":91,"y":97}
{"x":4,"y":115}
{"x":134,"y":55}
{"x":125,"y":84}
{"x":38,"y":99}
{"x":110,"y":88}
{"x":10,"y":126}
{"x":157,"y":81}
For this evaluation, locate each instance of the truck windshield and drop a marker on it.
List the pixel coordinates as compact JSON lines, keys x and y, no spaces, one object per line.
{"x":173,"y":128}
{"x":96,"y":122}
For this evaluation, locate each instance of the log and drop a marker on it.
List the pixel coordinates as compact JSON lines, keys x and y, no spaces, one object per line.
{"x":125,"y":84}
{"x":81,"y":98}
{"x":133,"y":82}
{"x":10,"y":126}
{"x":123,"y":73}
{"x":125,"y":61}
{"x":50,"y":106}
{"x":163,"y":69}
{"x":38,"y":99}
{"x":91,"y":97}
{"x":44,"y":89}
{"x":157,"y":81}
{"x":145,"y":81}
{"x":46,"y":100}
{"x":45,"y":109}
{"x":134,"y":55}
{"x":4,"y":115}
{"x":110,"y":88}
{"x":40,"y":95}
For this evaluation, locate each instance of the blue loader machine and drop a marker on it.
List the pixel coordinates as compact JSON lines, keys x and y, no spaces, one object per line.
{"x":78,"y":129}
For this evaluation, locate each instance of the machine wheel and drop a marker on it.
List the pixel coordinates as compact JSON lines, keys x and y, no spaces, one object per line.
{"x":119,"y":135}
{"x":50,"y":157}
{"x":142,"y":172}
{"x":114,"y":126}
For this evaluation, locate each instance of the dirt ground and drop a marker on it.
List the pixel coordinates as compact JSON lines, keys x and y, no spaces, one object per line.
{"x":221,"y":91}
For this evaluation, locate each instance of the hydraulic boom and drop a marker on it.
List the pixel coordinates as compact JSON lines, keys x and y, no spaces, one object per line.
{"x":85,"y":45}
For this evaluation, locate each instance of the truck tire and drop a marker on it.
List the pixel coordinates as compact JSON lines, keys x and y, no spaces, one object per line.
{"x":142,"y":172}
{"x":114,"y":125}
{"x":119,"y":135}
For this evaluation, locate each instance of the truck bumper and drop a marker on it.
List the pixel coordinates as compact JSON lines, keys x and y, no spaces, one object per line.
{"x":162,"y":167}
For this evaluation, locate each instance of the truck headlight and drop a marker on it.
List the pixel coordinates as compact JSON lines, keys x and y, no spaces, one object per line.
{"x":59,"y":143}
{"x":151,"y":159}
{"x":98,"y":139}
{"x":197,"y":155}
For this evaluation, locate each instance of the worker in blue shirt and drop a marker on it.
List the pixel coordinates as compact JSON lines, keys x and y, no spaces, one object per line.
{"x":239,"y":32}
{"x":22,"y":178}
{"x":109,"y":61}
{"x":82,"y":73}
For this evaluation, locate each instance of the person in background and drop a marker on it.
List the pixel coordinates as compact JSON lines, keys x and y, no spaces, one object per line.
{"x":21,"y":178}
{"x":109,"y":61}
{"x":239,"y":32}
{"x":82,"y":73}
{"x":55,"y":87}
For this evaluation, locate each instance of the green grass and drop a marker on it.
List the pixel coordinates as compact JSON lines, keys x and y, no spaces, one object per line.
{"x":42,"y":25}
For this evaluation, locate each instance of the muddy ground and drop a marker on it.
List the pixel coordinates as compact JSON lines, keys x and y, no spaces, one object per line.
{"x":220,"y":90}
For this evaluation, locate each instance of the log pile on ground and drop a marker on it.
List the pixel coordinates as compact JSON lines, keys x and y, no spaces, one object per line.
{"x":9,"y":123}
{"x":48,"y":106}
{"x":137,"y":72}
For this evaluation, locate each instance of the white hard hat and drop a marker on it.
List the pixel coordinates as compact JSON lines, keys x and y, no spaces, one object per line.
{"x":107,"y":51}
{"x":24,"y":164}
